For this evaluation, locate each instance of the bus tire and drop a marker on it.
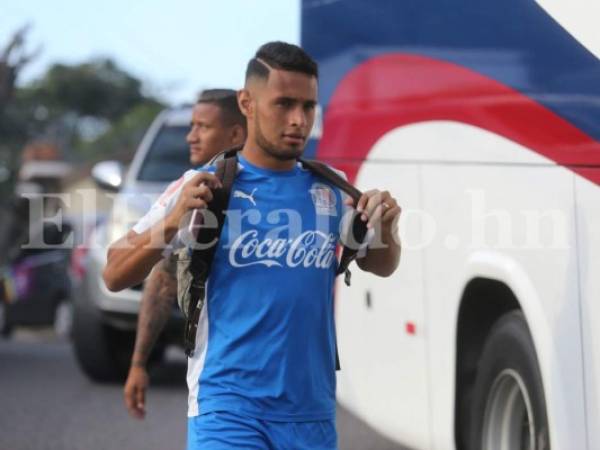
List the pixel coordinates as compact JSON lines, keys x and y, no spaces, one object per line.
{"x":509,"y":409}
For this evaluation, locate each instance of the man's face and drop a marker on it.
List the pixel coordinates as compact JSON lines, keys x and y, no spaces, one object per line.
{"x":284,"y":113}
{"x":208,"y":134}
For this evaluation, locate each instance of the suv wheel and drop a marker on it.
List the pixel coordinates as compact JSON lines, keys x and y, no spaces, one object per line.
{"x":103,"y":352}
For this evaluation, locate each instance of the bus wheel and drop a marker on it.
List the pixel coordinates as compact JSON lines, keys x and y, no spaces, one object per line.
{"x":509,"y":410}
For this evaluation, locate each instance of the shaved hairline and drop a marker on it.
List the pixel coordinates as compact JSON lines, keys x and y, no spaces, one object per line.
{"x":255,"y":82}
{"x":254,"y":78}
{"x":264,"y":63}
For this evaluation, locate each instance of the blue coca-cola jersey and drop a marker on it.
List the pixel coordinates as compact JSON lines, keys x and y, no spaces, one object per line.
{"x":265,"y":345}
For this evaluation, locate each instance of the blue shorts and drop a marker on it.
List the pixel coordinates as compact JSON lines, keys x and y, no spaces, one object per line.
{"x":222,"y":430}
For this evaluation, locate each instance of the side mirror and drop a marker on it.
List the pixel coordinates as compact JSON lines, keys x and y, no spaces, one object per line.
{"x":108,"y":175}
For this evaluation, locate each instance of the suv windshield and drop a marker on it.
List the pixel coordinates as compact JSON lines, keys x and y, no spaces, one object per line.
{"x":168,"y":157}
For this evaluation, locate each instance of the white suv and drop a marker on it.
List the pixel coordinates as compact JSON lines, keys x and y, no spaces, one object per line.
{"x":104,"y":322}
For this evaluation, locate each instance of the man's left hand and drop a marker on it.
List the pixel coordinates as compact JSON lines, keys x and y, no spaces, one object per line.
{"x":377,"y":207}
{"x":381,"y":212}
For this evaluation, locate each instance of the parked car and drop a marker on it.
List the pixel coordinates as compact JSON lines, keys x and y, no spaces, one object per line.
{"x":104,"y":322}
{"x":35,"y":286}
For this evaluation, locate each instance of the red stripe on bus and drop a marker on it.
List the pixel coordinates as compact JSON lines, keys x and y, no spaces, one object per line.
{"x":393,"y":90}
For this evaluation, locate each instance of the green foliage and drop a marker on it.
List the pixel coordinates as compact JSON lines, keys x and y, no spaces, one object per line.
{"x":13,"y":130}
{"x":56,"y":107}
{"x":98,"y":88}
{"x":91,"y":111}
{"x":122,"y":138}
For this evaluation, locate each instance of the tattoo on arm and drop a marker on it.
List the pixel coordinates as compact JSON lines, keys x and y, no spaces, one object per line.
{"x":157,"y":301}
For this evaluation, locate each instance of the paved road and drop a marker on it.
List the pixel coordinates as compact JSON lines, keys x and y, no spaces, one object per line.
{"x":47,"y":404}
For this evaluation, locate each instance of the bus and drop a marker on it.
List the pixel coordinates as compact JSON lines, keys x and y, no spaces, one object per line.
{"x":483,"y":119}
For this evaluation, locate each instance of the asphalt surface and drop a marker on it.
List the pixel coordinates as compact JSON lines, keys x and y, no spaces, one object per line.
{"x":46,"y":403}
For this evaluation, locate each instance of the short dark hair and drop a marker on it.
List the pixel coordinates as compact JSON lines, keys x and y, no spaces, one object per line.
{"x":226,"y":100}
{"x":283,"y":56}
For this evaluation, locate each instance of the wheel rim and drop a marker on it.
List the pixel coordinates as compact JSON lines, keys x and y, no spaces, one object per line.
{"x":508,"y":421}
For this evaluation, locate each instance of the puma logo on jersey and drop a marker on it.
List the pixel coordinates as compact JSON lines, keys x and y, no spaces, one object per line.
{"x":249,"y":197}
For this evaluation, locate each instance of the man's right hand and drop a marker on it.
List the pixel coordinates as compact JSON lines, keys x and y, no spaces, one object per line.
{"x":195,"y":194}
{"x":135,"y":391}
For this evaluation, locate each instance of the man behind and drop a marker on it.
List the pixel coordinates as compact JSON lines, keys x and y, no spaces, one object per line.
{"x":263,"y":371}
{"x":217,"y":124}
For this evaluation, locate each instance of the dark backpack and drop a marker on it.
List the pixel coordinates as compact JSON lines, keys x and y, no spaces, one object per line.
{"x":193,"y":266}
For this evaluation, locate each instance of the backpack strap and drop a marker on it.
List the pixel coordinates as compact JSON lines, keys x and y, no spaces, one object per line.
{"x":225,"y":171}
{"x":202,"y":256}
{"x":358,"y":229}
{"x":224,"y":154}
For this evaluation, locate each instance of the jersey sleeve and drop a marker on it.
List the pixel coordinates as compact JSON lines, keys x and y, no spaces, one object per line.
{"x":167,"y":200}
{"x":164,"y":205}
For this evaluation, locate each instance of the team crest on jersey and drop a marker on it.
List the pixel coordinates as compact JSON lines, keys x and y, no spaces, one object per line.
{"x":324,"y":199}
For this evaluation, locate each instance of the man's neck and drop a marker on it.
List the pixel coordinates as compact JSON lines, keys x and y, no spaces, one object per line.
{"x":260,"y":158}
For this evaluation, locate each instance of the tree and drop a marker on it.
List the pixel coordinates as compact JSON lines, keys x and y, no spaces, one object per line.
{"x":121,"y":139}
{"x":89,"y":109}
{"x":75,"y":105}
{"x":13,"y":58}
{"x":98,"y":88}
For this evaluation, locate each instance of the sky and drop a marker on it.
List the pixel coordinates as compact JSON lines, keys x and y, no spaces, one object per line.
{"x":176,"y":47}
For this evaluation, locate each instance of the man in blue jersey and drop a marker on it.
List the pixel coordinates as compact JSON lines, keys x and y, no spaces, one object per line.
{"x":263,"y":371}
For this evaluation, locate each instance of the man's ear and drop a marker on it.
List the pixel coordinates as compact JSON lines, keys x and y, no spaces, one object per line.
{"x":238,"y":135}
{"x":245,"y":103}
